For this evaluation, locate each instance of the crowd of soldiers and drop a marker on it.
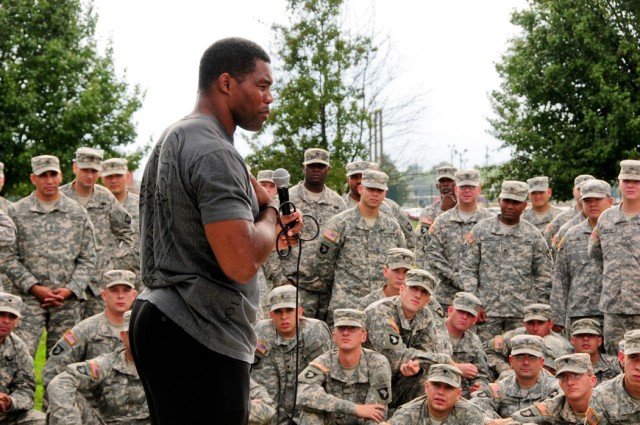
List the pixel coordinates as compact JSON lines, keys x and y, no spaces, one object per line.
{"x":528,"y":316}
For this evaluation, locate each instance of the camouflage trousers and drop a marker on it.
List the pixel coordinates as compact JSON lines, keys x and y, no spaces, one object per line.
{"x":615,"y":326}
{"x":93,"y":305}
{"x":29,"y":417}
{"x":496,"y":326}
{"x":315,"y":304}
{"x":318,"y":418}
{"x":406,"y":388}
{"x":56,"y":320}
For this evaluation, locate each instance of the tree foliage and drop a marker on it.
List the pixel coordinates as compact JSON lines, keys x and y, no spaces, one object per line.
{"x":57,"y":91}
{"x":569,"y":101}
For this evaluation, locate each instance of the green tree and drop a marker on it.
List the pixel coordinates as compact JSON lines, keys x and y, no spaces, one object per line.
{"x":57,"y":91}
{"x":569,"y":101}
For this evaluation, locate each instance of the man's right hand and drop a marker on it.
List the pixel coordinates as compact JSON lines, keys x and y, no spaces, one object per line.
{"x":410,"y":368}
{"x":375,"y":412}
{"x":46,"y":295}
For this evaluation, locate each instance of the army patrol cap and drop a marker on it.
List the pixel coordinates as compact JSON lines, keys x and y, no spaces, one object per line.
{"x":586,"y":326}
{"x":114,"y":166}
{"x":576,"y":363}
{"x":465,"y":301}
{"x":538,"y":184}
{"x":43,"y":163}
{"x":595,"y":189}
{"x":400,"y":257}
{"x":88,"y":158}
{"x":446,"y":172}
{"x":10,"y":303}
{"x":467,"y":178}
{"x":446,"y":374}
{"x":126,"y":320}
{"x":119,"y":277}
{"x":265,"y":176}
{"x":629,"y":170}
{"x":541,"y":312}
{"x":316,"y":156}
{"x":1,"y":169}
{"x":632,"y":342}
{"x":526,"y":344}
{"x":348,"y":317}
{"x":359,"y":167}
{"x":514,"y":190}
{"x":579,"y":181}
{"x":282,"y":297}
{"x":375,"y":179}
{"x":422,"y":278}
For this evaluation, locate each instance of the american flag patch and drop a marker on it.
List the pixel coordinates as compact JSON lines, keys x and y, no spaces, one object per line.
{"x":330,"y":234}
{"x":544,"y":410}
{"x":495,"y":390}
{"x":595,"y":236}
{"x":591,"y":416}
{"x":320,"y":366}
{"x":70,"y":337}
{"x":261,"y":347}
{"x":95,"y":370}
{"x":471,"y":238}
{"x":498,"y":342}
{"x":427,"y":220}
{"x":394,"y":325}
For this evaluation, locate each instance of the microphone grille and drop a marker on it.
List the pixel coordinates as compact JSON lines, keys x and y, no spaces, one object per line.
{"x":281,"y":177}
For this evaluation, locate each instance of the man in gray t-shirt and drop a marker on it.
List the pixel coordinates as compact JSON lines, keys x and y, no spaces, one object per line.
{"x":206,"y":228}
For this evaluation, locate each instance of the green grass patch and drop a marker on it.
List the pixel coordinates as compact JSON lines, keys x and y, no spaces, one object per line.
{"x":41,"y":357}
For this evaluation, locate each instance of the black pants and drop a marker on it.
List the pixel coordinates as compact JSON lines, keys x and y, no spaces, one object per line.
{"x":184,"y":381}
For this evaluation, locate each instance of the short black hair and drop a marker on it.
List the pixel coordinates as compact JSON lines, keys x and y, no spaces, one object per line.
{"x":235,"y":56}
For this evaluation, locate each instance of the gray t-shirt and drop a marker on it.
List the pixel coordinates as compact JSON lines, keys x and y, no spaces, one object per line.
{"x":195,"y":176}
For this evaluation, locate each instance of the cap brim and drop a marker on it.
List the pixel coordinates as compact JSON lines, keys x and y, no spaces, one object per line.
{"x":92,"y":165}
{"x":447,"y":176}
{"x":572,"y":369}
{"x":420,"y":284}
{"x":535,"y":317}
{"x":39,"y":171}
{"x":589,"y":331}
{"x":467,"y":183}
{"x":316,"y":161}
{"x":347,"y":322}
{"x":593,"y":195}
{"x":287,"y":304}
{"x":466,"y":308}
{"x":527,"y":351}
{"x":399,"y":264}
{"x":376,"y":186}
{"x":119,"y":282}
{"x":628,"y":176}
{"x":111,"y":172}
{"x":10,"y":310}
{"x":512,"y":197}
{"x":266,"y":180}
{"x":631,"y":350}
{"x":444,"y":380}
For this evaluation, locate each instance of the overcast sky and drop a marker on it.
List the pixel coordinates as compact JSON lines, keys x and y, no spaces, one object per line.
{"x":447,"y":50}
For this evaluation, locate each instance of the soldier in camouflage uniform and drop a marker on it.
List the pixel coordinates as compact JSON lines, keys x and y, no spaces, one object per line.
{"x":402,"y":330}
{"x":17,"y":381}
{"x":53,"y":256}
{"x":442,"y":403}
{"x":275,"y":357}
{"x":261,"y":408}
{"x":506,"y":264}
{"x":113,"y":175}
{"x":113,"y":381}
{"x":447,"y":233}
{"x":537,"y":321}
{"x":445,"y":177}
{"x":614,"y":244}
{"x":353,"y":246}
{"x":348,"y":385}
{"x":313,"y":198}
{"x":389,"y":206}
{"x":399,"y":262}
{"x":4,"y":203}
{"x":586,"y":337}
{"x":116,"y":245}
{"x":7,"y":239}
{"x":577,"y":279}
{"x":99,"y":334}
{"x":467,"y":347}
{"x":617,"y":401}
{"x":541,"y":212}
{"x":529,"y":384}
{"x":265,"y":179}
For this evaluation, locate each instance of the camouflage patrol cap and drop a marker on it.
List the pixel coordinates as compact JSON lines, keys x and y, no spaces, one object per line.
{"x":126,"y":319}
{"x":466,"y":301}
{"x":621,"y":346}
{"x":88,"y":158}
{"x":538,"y":312}
{"x":43,"y":163}
{"x":538,"y":184}
{"x":514,"y":190}
{"x":629,"y":170}
{"x":595,"y":189}
{"x":446,"y":374}
{"x":467,"y":178}
{"x":375,"y":179}
{"x":575,"y":363}
{"x":586,"y":326}
{"x":422,"y":278}
{"x":282,"y":297}
{"x":400,"y":257}
{"x":632,"y":342}
{"x":348,"y":317}
{"x":316,"y":156}
{"x":552,"y":348}
{"x":114,"y":166}
{"x":526,"y":344}
{"x":265,"y":176}
{"x":446,"y":172}
{"x":10,"y":303}
{"x":119,"y":277}
{"x":579,"y":181}
{"x":359,"y":167}
{"x":1,"y":169}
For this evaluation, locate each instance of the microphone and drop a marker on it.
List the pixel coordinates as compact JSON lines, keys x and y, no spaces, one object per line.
{"x":281,"y":179}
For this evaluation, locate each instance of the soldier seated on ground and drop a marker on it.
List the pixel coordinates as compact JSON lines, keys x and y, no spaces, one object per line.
{"x":262,"y":408}
{"x":586,"y":337}
{"x":113,"y":381}
{"x":529,"y":383}
{"x":348,"y":384}
{"x":399,"y":262}
{"x":277,"y":350}
{"x":17,"y":381}
{"x":442,"y":403}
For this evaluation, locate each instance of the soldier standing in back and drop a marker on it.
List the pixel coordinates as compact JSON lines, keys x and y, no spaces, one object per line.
{"x":541,"y":212}
{"x":114,"y":177}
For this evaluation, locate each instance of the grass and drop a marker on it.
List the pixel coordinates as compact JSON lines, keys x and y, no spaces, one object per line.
{"x":41,"y":356}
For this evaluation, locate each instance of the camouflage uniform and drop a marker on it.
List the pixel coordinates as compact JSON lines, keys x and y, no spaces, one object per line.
{"x":115,"y":385}
{"x":469,"y":350}
{"x":607,"y":367}
{"x":444,"y":250}
{"x":611,"y":404}
{"x":427,"y":216}
{"x":552,"y":411}
{"x":90,"y":338}
{"x":7,"y":239}
{"x":275,"y":362}
{"x":392,"y":209}
{"x":415,"y":413}
{"x":541,"y":221}
{"x":55,"y":249}
{"x":555,"y":225}
{"x":4,"y":205}
{"x":328,"y":396}
{"x":261,"y":413}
